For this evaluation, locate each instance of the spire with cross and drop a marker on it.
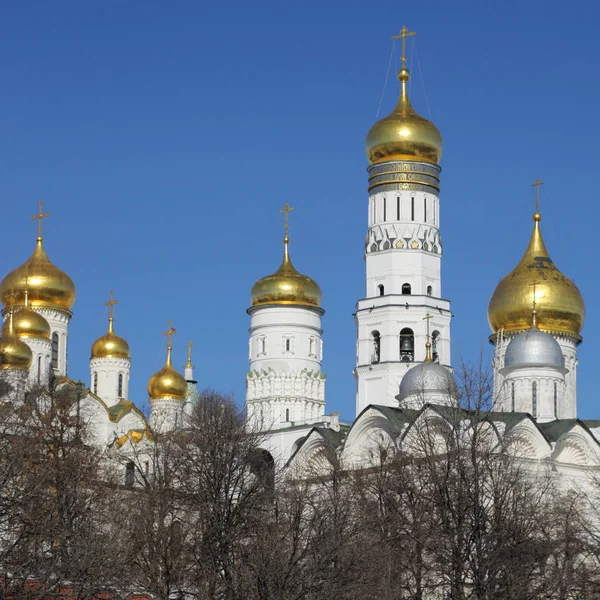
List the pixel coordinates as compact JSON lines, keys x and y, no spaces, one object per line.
{"x":111,"y":305}
{"x":428,"y":358}
{"x":287,"y":209}
{"x":536,"y":185}
{"x":40,"y":219}
{"x":404,"y":33}
{"x":189,"y":350}
{"x":169,"y":334}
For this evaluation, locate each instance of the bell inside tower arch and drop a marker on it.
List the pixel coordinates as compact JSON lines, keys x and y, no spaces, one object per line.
{"x":407,"y":345}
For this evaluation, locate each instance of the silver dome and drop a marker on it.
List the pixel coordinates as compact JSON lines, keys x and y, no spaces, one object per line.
{"x":534,"y":348}
{"x":428,"y":378}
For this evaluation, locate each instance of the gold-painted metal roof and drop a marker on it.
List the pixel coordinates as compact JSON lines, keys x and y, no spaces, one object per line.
{"x":404,"y":134}
{"x":28,"y":324}
{"x":48,"y":286}
{"x":536,"y":282}
{"x":286,"y":286}
{"x":14,"y":353}
{"x":167,"y":383}
{"x":110,"y":345}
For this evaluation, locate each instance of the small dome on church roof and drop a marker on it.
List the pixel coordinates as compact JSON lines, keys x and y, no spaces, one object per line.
{"x":110,"y":345}
{"x":534,"y":348}
{"x":428,"y":378}
{"x":28,"y":324}
{"x":14,"y":353}
{"x":167,"y":383}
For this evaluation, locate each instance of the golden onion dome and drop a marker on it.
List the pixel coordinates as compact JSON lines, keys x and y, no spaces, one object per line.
{"x":404,"y":134}
{"x":167,"y":383}
{"x":14,"y":353}
{"x":558,"y":303}
{"x":286,"y":286}
{"x":48,"y":286}
{"x":110,"y":345}
{"x":29,"y":324}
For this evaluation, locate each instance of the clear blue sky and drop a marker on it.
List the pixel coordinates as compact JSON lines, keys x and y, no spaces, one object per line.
{"x":164,"y":137}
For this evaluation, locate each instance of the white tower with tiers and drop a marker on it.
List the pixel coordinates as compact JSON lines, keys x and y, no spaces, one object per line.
{"x":403,"y":254}
{"x":285,"y":384}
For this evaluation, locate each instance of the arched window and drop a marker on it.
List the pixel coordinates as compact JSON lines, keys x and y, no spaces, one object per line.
{"x":55,"y":350}
{"x":425,"y":209}
{"x":287,"y":414}
{"x":385,"y":209}
{"x":555,"y":400}
{"x":380,"y":289}
{"x":39,"y":373}
{"x":534,"y":400}
{"x":376,"y":347}
{"x":398,"y":208}
{"x":287,"y":345}
{"x":262,"y":466}
{"x":435,"y":338}
{"x":120,"y":386}
{"x":406,"y":289}
{"x":129,"y":474}
{"x":407,"y":345}
{"x":429,"y":290}
{"x":512,"y":396}
{"x":95,"y":385}
{"x":412,"y":209}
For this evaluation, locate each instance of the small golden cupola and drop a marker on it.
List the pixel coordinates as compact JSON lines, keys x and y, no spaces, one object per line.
{"x":110,"y":345}
{"x":14,"y":353}
{"x":559,"y":306}
{"x":404,"y":135}
{"x":47,"y":285}
{"x":167,"y":383}
{"x":286,"y":286}
{"x":27,"y":323}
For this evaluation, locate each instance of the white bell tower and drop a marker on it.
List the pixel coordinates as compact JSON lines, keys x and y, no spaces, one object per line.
{"x":403,"y":253}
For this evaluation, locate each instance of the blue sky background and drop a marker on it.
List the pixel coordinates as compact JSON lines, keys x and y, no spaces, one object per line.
{"x":164,"y":137}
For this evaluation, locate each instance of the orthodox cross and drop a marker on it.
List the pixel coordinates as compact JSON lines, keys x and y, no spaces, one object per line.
{"x":189,"y":347}
{"x":111,"y":305}
{"x":536,"y":185}
{"x":169,"y":333}
{"x":40,"y":218}
{"x":287,"y":209}
{"x":404,"y":33}
{"x":427,"y":318}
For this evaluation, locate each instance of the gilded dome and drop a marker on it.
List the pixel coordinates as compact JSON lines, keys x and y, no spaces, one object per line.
{"x":48,"y":286}
{"x":404,"y":134}
{"x":286,"y":286}
{"x":558,"y":302}
{"x":14,"y":353}
{"x":110,"y":345}
{"x":167,"y":383}
{"x":29,"y":324}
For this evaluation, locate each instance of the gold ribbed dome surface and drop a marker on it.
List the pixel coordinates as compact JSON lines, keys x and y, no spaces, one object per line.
{"x":29,"y":324}
{"x":558,"y":302}
{"x":14,"y":353}
{"x":48,"y":286}
{"x":286,"y":286}
{"x":404,"y":134}
{"x":167,"y":383}
{"x":110,"y":345}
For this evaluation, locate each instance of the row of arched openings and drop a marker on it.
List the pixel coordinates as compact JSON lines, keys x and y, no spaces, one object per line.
{"x":407,"y":345}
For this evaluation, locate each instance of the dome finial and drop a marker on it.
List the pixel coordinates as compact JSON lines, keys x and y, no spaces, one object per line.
{"x":189,"y":364}
{"x":428,"y":358}
{"x":169,"y":334}
{"x":404,"y":73}
{"x":111,"y":311}
{"x":40,"y":219}
{"x":537,"y":216}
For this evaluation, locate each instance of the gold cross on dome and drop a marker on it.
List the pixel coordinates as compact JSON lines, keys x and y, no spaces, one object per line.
{"x":536,"y":185}
{"x":111,"y":304}
{"x":287,"y":209}
{"x":40,"y":217}
{"x":427,"y":318}
{"x":189,"y":347}
{"x":169,"y":333}
{"x":404,"y":33}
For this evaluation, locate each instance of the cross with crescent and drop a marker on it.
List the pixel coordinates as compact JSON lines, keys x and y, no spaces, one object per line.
{"x":404,"y":33}
{"x":40,"y":218}
{"x":169,"y":333}
{"x":111,"y":305}
{"x":536,"y":185}
{"x":286,"y":209}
